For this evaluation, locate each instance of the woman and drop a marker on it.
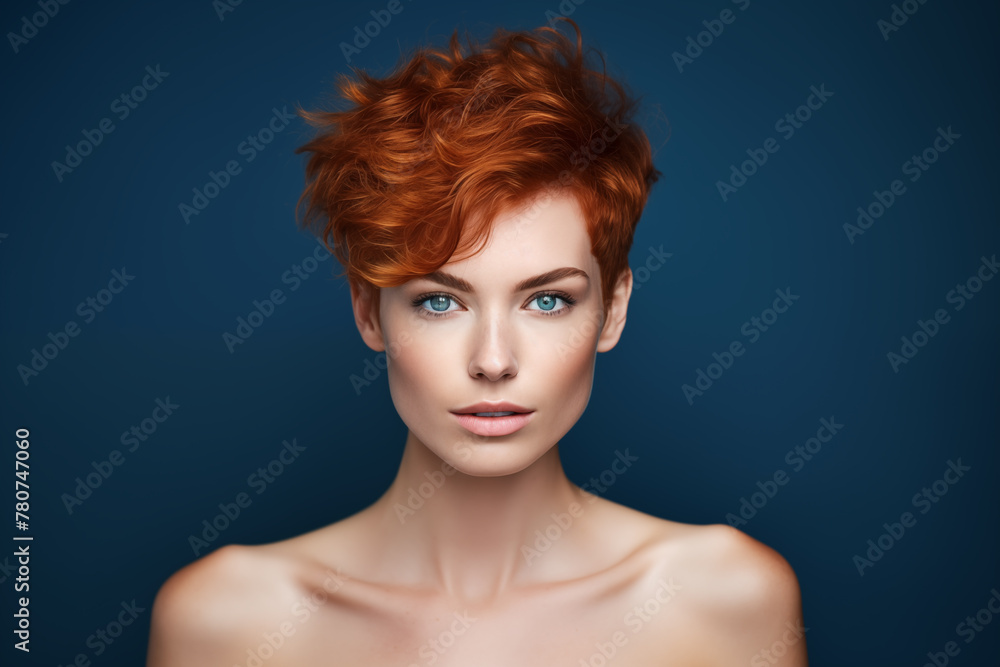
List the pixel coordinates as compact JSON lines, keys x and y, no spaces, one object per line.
{"x":483,"y":205}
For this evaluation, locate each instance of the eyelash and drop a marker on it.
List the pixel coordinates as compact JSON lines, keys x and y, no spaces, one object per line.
{"x":419,"y":301}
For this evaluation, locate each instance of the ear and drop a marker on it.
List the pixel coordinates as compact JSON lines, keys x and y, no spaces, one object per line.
{"x":366,"y":316}
{"x":614,"y":321}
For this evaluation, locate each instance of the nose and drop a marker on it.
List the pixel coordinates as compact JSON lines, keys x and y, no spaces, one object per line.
{"x":492,"y":354}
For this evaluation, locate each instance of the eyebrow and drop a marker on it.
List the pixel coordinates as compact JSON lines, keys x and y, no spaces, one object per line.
{"x":455,"y":282}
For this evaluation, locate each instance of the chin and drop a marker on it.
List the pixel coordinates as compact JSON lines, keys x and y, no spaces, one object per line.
{"x":485,"y":465}
{"x":490,"y":457}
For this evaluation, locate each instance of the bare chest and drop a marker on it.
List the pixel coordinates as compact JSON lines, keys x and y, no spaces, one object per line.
{"x":643,"y":623}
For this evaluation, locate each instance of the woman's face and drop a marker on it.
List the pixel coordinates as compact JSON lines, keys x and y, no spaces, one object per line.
{"x":493,"y":328}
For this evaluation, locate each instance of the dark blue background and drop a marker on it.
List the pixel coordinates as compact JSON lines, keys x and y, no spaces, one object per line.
{"x":826,"y":357}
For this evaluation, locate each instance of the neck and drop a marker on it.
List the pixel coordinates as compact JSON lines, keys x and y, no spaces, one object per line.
{"x":474,"y":536}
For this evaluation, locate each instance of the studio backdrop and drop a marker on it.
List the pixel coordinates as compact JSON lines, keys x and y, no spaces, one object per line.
{"x":810,"y":353}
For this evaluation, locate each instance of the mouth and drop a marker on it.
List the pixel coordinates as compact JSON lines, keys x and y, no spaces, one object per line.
{"x":493,"y":409}
{"x":494,"y":423}
{"x":493,"y":414}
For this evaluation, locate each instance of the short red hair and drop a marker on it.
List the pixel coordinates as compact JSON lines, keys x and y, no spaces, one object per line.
{"x":451,"y":137}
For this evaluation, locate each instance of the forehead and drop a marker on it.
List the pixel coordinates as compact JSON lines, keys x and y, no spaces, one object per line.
{"x":542,"y":234}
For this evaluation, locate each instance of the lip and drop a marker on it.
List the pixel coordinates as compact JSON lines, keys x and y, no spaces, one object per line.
{"x":494,"y":426}
{"x":491,"y":406}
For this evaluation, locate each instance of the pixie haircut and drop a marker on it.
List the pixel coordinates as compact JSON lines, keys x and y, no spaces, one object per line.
{"x":450,"y":139}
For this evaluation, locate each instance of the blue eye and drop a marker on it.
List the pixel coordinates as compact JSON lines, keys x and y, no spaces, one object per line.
{"x":439,"y":303}
{"x":438,"y":300}
{"x":548,"y":300}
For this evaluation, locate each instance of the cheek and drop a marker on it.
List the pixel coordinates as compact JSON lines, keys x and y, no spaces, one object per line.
{"x":575,"y":341}
{"x":417,"y":371}
{"x":566,"y":364}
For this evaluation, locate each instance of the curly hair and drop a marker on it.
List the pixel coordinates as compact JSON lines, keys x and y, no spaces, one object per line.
{"x":450,"y":140}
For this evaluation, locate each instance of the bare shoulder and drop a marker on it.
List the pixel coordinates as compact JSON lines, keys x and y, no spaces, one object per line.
{"x":735,"y":596}
{"x":212,"y":610}
{"x":749,"y":567}
{"x":746,"y":592}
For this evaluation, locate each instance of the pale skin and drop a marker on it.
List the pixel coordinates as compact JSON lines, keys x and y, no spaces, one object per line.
{"x":469,"y":576}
